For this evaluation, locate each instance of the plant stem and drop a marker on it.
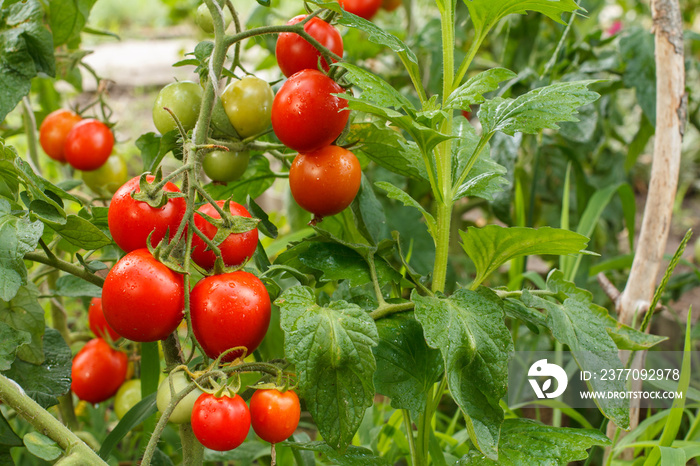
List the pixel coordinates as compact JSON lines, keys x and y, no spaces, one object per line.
{"x":66,"y":267}
{"x":408,"y":424}
{"x":387,"y":309}
{"x":194,"y":449}
{"x":14,"y":396}
{"x":30,"y":130}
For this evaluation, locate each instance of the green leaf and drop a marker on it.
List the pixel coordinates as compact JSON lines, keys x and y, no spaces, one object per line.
{"x":46,"y":382}
{"x":42,"y":446}
{"x":538,"y":109}
{"x":154,"y":147}
{"x":469,"y":330}
{"x":67,"y":18}
{"x":331,"y":348}
{"x":246,"y":454}
{"x":473,"y":90}
{"x":332,"y":261}
{"x":26,"y":49}
{"x":375,"y":89}
{"x":266,"y":227}
{"x":527,"y":442}
{"x":71,"y":286}
{"x":353,"y":456}
{"x":255,"y":181}
{"x":407,"y":368}
{"x":368,"y":213}
{"x":24,"y":314}
{"x":10,"y":341}
{"x":18,"y":236}
{"x":8,"y":437}
{"x":402,"y":196}
{"x":81,"y":233}
{"x":492,"y":246}
{"x":637,"y":53}
{"x":583,"y":326}
{"x":134,"y":417}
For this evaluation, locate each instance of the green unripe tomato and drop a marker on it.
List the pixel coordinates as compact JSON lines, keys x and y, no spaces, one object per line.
{"x":220,"y":126}
{"x":697,"y":251}
{"x":108,"y":178}
{"x":127,"y":396}
{"x":248,"y":105}
{"x":224,"y":166}
{"x":184,"y":99}
{"x":206,"y":22}
{"x":183,"y":411}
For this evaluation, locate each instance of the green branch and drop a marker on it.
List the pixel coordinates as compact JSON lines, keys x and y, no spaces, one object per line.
{"x":66,"y":267}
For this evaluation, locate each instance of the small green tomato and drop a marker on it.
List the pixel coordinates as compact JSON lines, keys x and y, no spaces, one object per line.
{"x":183,"y":99}
{"x":127,"y":396}
{"x":183,"y":411}
{"x":248,"y":105}
{"x":206,"y":22}
{"x":225,"y":166}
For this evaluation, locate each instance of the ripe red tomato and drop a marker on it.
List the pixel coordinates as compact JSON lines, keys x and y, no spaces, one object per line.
{"x":98,"y":371}
{"x":220,"y":424}
{"x":53,"y":132}
{"x":229,"y":310}
{"x":274,"y":415}
{"x":88,"y":145}
{"x":326,"y":181}
{"x":363,"y":8}
{"x":305,"y":116}
{"x":295,"y":54}
{"x":142,"y":299}
{"x":236,"y":249}
{"x":131,"y":221}
{"x":98,"y":323}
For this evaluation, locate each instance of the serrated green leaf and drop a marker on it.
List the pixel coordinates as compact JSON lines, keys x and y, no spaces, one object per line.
{"x":255,"y":181}
{"x":18,"y":236}
{"x":46,"y":382}
{"x":71,"y":286}
{"x":41,"y":446}
{"x":538,"y":109}
{"x":67,"y":18}
{"x":469,"y":330}
{"x":402,"y":196}
{"x":368,"y":213}
{"x":10,"y":341}
{"x":492,"y":246}
{"x":81,"y":233}
{"x":331,"y":348}
{"x":473,"y":90}
{"x":407,"y":368}
{"x":24,"y":314}
{"x":528,"y":442}
{"x":353,"y":456}
{"x":374,"y":88}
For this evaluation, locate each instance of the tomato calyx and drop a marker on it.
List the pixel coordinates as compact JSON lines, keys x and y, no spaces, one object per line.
{"x":153,"y":193}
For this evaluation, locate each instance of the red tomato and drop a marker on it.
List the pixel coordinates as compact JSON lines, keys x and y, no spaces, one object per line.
{"x":98,"y":323}
{"x":142,"y":299}
{"x":274,"y":415}
{"x":363,"y":8}
{"x":220,"y":424}
{"x":295,"y":54}
{"x":98,"y":371}
{"x":391,"y":5}
{"x":236,"y":249}
{"x":53,"y":132}
{"x":131,"y":221}
{"x":305,"y":116}
{"x":326,"y":181}
{"x":88,"y":145}
{"x":229,"y":310}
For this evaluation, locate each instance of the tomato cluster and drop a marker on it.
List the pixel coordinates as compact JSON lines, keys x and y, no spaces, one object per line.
{"x":85,"y":144}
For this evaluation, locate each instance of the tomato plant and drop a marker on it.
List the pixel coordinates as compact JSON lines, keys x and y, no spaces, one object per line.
{"x":98,"y":371}
{"x":248,"y":103}
{"x":326,"y":181}
{"x":183,"y":98}
{"x":235,"y":249}
{"x":132,"y":221}
{"x":97,"y":322}
{"x":294,"y":53}
{"x":306,"y":116}
{"x":142,"y":299}
{"x":88,"y":145}
{"x":225,"y":166}
{"x":220,"y":423}
{"x":53,"y":132}
{"x":108,"y":178}
{"x":127,"y":396}
{"x":274,"y":414}
{"x":229,"y":310}
{"x":363,"y":8}
{"x":182,"y":413}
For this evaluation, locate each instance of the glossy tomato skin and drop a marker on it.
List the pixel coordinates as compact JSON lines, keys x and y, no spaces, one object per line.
{"x":229,"y":310}
{"x":223,"y":166}
{"x":294,"y":53}
{"x":131,"y":221}
{"x":97,"y":371}
{"x":184,"y":99}
{"x":248,"y":104}
{"x":88,"y":145}
{"x":108,"y":178}
{"x":362,"y":8}
{"x":305,"y":116}
{"x":98,"y":323}
{"x":236,"y":249}
{"x":183,"y":410}
{"x":274,"y":415}
{"x":53,"y":132}
{"x":326,"y":181}
{"x":142,"y":299}
{"x":220,"y":424}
